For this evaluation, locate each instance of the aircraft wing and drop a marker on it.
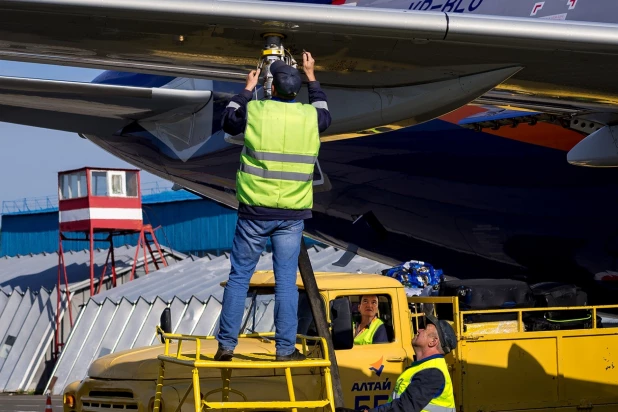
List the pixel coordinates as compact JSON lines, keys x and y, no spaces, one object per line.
{"x":355,"y":47}
{"x":91,"y":108}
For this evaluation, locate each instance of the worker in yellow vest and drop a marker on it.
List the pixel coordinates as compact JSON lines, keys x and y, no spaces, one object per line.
{"x":274,"y":188}
{"x":370,"y":329}
{"x":426,"y":385}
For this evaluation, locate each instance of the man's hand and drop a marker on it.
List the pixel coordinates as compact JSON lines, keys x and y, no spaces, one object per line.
{"x":308,"y":64}
{"x":252,"y":79}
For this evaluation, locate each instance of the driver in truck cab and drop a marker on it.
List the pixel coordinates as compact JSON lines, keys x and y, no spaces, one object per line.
{"x":370,"y":329}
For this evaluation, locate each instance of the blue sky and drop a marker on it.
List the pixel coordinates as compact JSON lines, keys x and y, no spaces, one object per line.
{"x":30,"y":157}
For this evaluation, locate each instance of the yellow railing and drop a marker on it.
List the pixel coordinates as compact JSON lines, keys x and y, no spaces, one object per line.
{"x":459,"y":315}
{"x":512,"y":368}
{"x":197,"y":360}
{"x":433,"y":301}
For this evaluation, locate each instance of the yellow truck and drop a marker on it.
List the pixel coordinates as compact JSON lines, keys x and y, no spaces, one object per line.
{"x":497,"y":366}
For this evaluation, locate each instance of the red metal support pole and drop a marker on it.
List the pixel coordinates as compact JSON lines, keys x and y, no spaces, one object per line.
{"x":62,"y":269}
{"x":68,"y":291}
{"x":91,"y":261}
{"x":154,"y":259}
{"x":59,"y":297}
{"x":111,"y":248}
{"x":145,"y":257}
{"x":154,"y":239}
{"x":103,"y":272}
{"x":139,"y":242}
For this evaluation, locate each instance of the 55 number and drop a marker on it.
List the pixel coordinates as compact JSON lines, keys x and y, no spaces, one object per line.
{"x":364,"y":401}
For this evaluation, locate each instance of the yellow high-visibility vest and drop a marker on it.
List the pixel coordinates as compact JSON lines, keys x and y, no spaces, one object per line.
{"x":366,"y":336}
{"x":281,"y":147}
{"x":443,"y":402}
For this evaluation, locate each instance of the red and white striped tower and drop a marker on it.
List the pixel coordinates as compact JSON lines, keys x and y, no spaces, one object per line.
{"x":95,"y":201}
{"x":111,"y":201}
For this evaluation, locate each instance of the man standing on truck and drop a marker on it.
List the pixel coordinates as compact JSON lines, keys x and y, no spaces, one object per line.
{"x":274,"y":187}
{"x":426,"y":385}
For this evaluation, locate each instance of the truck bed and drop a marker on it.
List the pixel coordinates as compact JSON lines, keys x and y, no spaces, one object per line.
{"x":501,"y":366}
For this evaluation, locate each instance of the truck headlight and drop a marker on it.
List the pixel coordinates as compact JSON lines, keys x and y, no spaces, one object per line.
{"x":69,"y":400}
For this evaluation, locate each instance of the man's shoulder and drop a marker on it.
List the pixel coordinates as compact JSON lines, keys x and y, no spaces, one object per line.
{"x":310,"y":107}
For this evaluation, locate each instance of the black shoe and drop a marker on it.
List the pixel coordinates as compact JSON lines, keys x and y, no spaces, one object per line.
{"x":294,"y":356}
{"x":224,"y":355}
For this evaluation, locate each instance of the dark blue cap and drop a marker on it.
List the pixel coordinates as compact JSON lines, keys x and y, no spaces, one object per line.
{"x":286,"y":79}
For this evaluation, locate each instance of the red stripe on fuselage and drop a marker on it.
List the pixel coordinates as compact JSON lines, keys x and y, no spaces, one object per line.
{"x":541,"y":134}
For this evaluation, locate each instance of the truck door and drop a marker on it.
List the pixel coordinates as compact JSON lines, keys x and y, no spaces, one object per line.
{"x":369,"y":371}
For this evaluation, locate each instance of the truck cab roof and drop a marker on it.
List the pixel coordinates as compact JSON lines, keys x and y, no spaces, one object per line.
{"x":329,"y":280}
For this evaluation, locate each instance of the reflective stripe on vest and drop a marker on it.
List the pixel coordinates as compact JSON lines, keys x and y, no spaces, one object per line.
{"x":280,"y":157}
{"x":281,"y":146}
{"x":268,"y":174}
{"x":445,"y":401}
{"x":366,"y":336}
{"x":320,"y":105}
{"x":436,"y":408}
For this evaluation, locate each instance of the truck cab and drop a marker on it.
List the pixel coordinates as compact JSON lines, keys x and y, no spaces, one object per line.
{"x":127,"y":380}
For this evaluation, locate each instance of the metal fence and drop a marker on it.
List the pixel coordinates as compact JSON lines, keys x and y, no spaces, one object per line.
{"x":50,"y":203}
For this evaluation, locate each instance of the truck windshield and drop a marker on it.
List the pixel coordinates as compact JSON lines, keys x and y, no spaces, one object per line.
{"x":260,"y":312}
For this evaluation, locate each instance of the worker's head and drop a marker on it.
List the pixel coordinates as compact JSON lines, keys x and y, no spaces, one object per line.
{"x":286,"y":80}
{"x":438,"y":337}
{"x":368,"y":305}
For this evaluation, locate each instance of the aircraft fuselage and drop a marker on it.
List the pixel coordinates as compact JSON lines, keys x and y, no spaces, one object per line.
{"x":601,"y":11}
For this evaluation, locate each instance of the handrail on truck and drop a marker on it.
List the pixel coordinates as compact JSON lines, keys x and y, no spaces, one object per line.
{"x":197,"y":360}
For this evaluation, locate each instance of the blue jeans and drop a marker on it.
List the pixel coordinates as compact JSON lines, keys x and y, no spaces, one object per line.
{"x":249,"y":242}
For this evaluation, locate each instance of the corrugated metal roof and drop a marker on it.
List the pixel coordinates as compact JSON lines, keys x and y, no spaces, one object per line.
{"x":27,"y":328}
{"x":201,"y":278}
{"x":192,"y":290}
{"x":41,"y":270}
{"x":27,"y":308}
{"x":169,"y":196}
